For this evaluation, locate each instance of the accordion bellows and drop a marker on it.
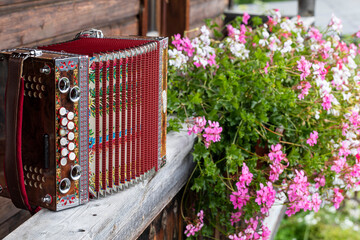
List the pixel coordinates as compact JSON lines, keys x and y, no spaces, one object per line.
{"x":109,"y":99}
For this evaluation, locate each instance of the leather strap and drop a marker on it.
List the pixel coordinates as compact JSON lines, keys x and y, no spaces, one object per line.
{"x":14,"y":97}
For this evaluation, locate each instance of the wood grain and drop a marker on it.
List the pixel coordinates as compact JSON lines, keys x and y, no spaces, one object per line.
{"x":128,"y":26}
{"x":124,"y":215}
{"x":10,"y":217}
{"x":49,"y":20}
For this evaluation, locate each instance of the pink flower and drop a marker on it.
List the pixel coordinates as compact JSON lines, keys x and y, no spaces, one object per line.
{"x":231,"y":30}
{"x":211,"y":59}
{"x":212,"y":132}
{"x":192,"y":228}
{"x":338,"y":197}
{"x":316,"y":201}
{"x":344,"y":149}
{"x":315,"y":34}
{"x":313,"y":138}
{"x":298,"y":194}
{"x":266,"y":67}
{"x":177,"y":42}
{"x":304,"y":67}
{"x":245,"y":178}
{"x":198,"y":127}
{"x":338,"y":165}
{"x":320,"y":181}
{"x":239,"y":198}
{"x":265,"y":232}
{"x":245,"y":18}
{"x":265,"y":197}
{"x":327,"y":99}
{"x":305,"y":86}
{"x":235,"y":217}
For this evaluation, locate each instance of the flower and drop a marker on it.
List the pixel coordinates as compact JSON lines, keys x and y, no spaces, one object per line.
{"x":338,"y":197}
{"x":265,"y":197}
{"x":198,"y":127}
{"x":266,"y":68}
{"x":245,"y":18}
{"x":191,"y":228}
{"x":304,"y":67}
{"x":313,"y":138}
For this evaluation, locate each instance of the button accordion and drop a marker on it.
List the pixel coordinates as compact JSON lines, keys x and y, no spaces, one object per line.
{"x":81,"y":119}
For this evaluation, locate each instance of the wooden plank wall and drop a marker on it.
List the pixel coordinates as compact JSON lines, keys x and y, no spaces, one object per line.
{"x":30,"y":23}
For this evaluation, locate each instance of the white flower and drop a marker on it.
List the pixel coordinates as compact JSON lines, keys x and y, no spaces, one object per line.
{"x":263,"y":42}
{"x":346,"y":96}
{"x":335,"y":24}
{"x":177,"y":59}
{"x":205,"y":31}
{"x":265,"y":34}
{"x":317,"y":115}
{"x":238,"y":49}
{"x":287,"y":47}
{"x":351,"y":63}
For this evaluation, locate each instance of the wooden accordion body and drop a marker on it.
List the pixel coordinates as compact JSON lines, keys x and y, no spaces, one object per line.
{"x":94,"y":118}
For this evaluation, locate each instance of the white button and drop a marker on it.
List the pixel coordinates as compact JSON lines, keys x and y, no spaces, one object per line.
{"x":63,"y":141}
{"x":64,"y":152}
{"x":70,"y":116}
{"x":62,"y":111}
{"x":62,"y":132}
{"x":72,"y":156}
{"x":71,"y":146}
{"x":71,"y":136}
{"x":71,"y":125}
{"x":64,"y":121}
{"x":63,"y":161}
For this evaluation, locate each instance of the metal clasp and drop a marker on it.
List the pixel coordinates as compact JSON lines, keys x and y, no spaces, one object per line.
{"x":25,"y":55}
{"x":91,"y":33}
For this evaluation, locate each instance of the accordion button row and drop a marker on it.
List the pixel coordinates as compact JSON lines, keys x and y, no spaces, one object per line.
{"x":32,"y":79}
{"x":33,"y":169}
{"x":33,"y":184}
{"x":33,"y":86}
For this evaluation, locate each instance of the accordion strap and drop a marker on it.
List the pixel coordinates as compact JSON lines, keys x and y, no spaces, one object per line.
{"x":14,"y":97}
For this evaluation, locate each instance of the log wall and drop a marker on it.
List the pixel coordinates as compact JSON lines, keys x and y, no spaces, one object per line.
{"x":29,"y":23}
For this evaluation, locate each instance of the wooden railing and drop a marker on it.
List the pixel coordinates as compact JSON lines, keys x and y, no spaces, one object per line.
{"x":123,"y":215}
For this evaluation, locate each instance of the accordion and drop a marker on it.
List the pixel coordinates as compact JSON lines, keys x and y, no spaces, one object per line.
{"x":81,"y":118}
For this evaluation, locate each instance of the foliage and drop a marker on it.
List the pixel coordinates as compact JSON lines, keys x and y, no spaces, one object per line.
{"x":325,"y":224}
{"x":286,"y":98}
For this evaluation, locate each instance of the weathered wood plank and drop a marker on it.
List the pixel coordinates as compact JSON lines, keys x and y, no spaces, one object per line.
{"x":10,"y":217}
{"x":128,"y":26}
{"x":202,"y":9}
{"x":8,"y":2}
{"x":49,"y":20}
{"x":123,"y":215}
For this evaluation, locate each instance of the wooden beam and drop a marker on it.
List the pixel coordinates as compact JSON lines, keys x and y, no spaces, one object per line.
{"x":177,"y":16}
{"x":49,"y":20}
{"x":143,"y":16}
{"x":123,"y":215}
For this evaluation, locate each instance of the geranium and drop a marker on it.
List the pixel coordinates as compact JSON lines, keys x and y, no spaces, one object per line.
{"x":192,"y":228}
{"x":283,"y":99}
{"x":313,"y":138}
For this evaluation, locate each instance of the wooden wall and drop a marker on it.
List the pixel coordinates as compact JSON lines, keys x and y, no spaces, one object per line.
{"x":30,"y":23}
